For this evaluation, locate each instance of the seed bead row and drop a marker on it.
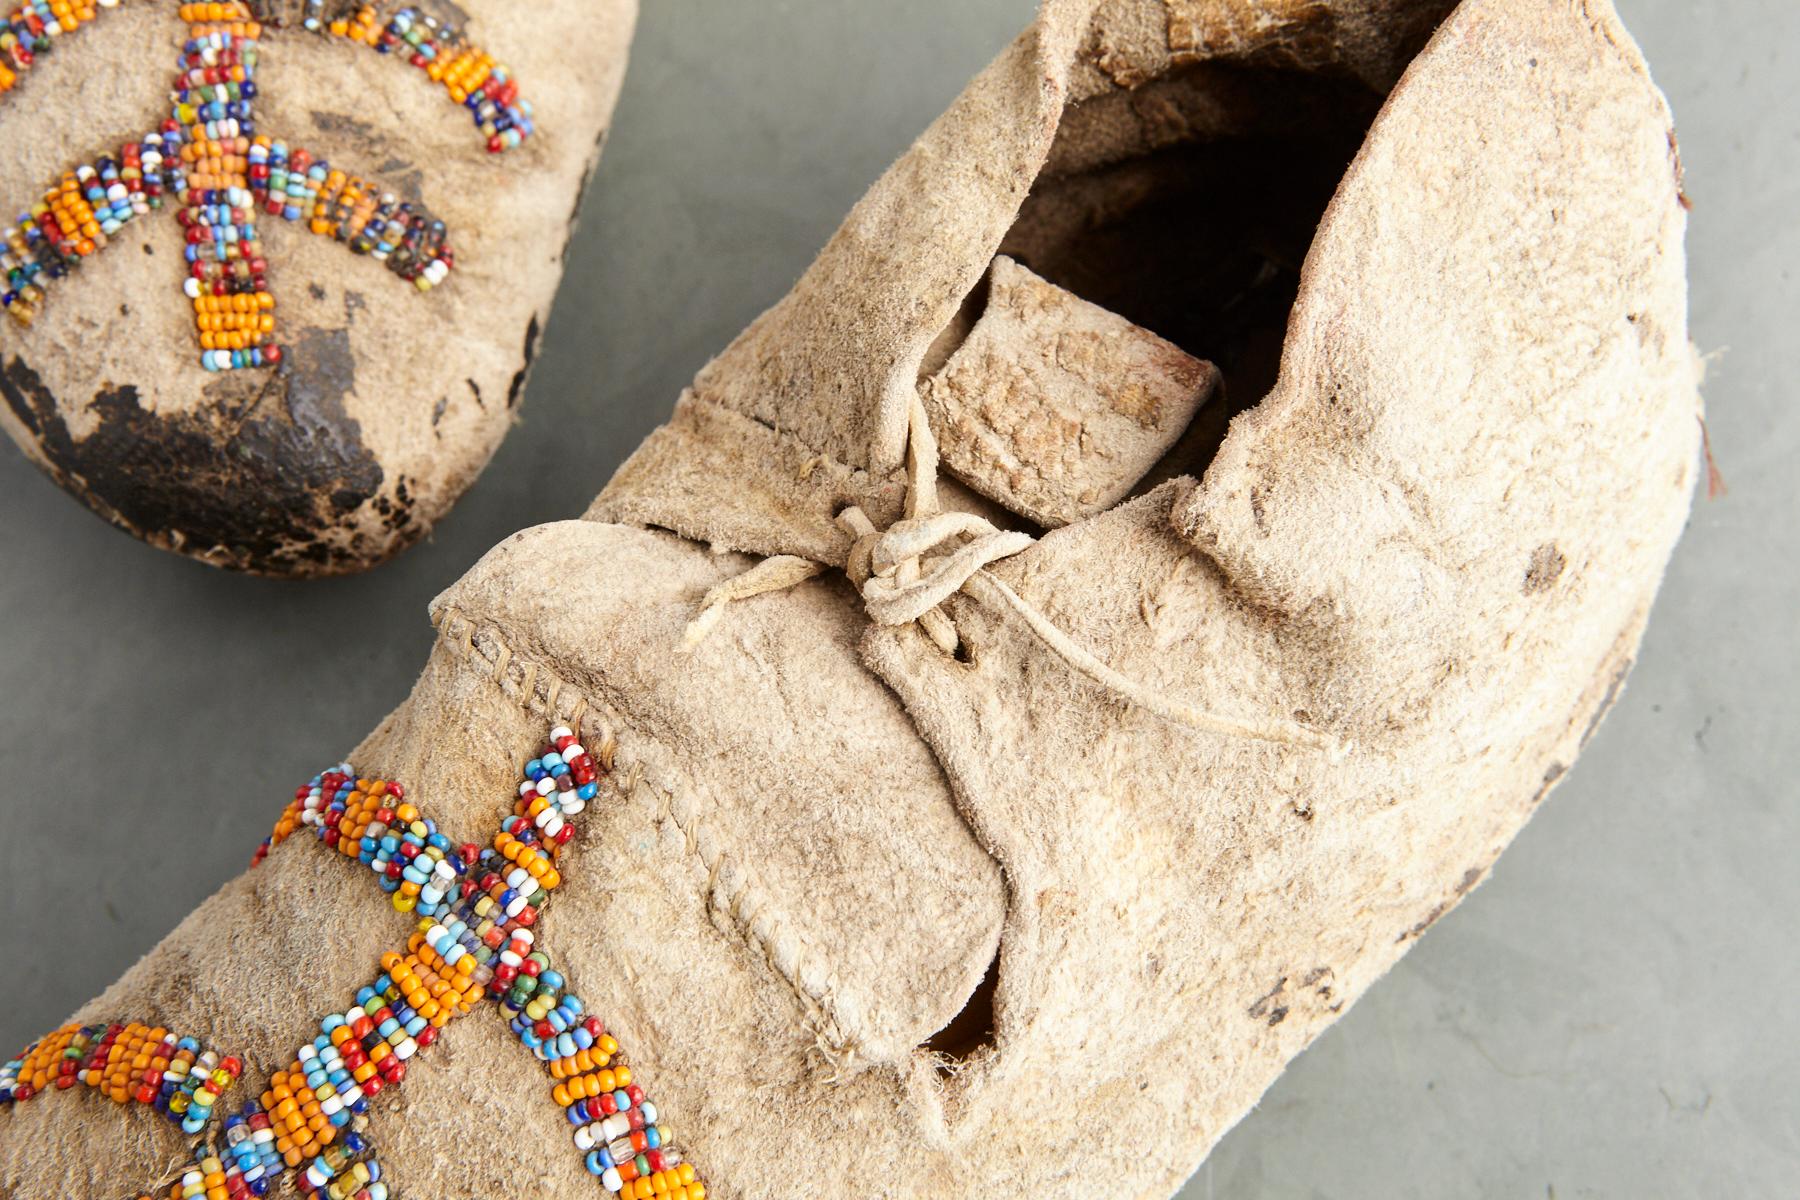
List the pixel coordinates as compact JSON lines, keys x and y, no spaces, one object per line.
{"x":131,"y":1062}
{"x":32,"y":28}
{"x":478,"y":942}
{"x":309,"y":1120}
{"x":616,"y":1126}
{"x":227,"y":272}
{"x":79,"y":214}
{"x":469,"y":74}
{"x":487,"y":929}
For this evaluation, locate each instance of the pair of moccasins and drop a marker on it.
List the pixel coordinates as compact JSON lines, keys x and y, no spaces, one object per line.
{"x":1008,"y":758}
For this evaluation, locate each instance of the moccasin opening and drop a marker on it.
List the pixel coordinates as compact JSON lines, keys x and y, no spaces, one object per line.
{"x":1200,"y":239}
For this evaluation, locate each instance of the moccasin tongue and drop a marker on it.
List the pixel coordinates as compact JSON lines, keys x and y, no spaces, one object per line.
{"x":1056,"y":407}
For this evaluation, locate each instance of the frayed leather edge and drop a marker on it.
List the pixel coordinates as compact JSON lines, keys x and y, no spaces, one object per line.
{"x":738,"y":904}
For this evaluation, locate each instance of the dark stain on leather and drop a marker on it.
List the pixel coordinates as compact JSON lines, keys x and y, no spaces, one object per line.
{"x":263,"y":476}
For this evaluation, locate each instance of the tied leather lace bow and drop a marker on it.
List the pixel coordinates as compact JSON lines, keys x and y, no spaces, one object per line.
{"x":906,"y":571}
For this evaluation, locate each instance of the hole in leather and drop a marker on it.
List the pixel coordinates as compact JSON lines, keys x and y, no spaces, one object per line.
{"x":970,"y":1031}
{"x":1202,"y":241}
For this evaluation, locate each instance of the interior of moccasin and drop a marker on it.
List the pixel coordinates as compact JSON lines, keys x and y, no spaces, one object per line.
{"x":1199,"y":238}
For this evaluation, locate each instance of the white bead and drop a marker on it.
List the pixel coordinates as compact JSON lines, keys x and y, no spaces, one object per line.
{"x":649,"y":1112}
{"x":573,"y":805}
{"x":559,"y":733}
{"x":617,"y":1125}
{"x":612,"y":1181}
{"x":406,"y":1049}
{"x":584,"y":1139}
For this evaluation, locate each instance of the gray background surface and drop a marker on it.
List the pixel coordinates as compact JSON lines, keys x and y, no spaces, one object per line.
{"x":1612,"y":1015}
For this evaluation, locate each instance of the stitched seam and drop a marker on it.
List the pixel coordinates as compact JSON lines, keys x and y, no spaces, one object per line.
{"x":737,"y":904}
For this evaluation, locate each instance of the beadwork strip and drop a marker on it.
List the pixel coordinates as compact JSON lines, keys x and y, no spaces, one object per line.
{"x":172,"y":1075}
{"x":210,"y":158}
{"x":476,"y":909}
{"x":468,"y":74}
{"x":33,"y":28}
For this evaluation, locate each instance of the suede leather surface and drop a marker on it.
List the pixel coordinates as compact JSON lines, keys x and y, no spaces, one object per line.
{"x":1435,"y":541}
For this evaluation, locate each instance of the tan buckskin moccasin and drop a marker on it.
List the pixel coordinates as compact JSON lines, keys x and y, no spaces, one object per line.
{"x":968,"y":774}
{"x":219,"y":220}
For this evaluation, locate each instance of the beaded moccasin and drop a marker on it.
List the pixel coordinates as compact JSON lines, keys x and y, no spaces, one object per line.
{"x":946,"y":750}
{"x":273,"y":270}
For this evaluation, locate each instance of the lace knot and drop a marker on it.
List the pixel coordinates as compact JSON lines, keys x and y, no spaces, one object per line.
{"x":908,"y":570}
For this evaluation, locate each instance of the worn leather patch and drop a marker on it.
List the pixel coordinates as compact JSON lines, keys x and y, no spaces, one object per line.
{"x":1055,"y":407}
